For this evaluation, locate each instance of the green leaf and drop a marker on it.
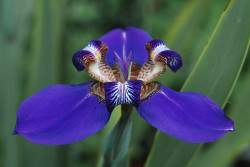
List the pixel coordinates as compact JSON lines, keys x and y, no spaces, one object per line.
{"x":116,"y":146}
{"x":224,"y":151}
{"x":218,"y":68}
{"x":214,"y":75}
{"x":189,"y":26}
{"x":11,"y":43}
{"x":187,"y":22}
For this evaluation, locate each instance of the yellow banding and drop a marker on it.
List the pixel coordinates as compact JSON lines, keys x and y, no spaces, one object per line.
{"x":153,"y":54}
{"x":98,"y":55}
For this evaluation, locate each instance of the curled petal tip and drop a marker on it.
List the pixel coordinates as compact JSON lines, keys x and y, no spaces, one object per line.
{"x":231,"y":129}
{"x":99,"y":46}
{"x":91,"y":53}
{"x":153,"y":44}
{"x":15,"y":132}
{"x":78,"y":60}
{"x":174,"y":60}
{"x":92,"y":59}
{"x":161,"y":53}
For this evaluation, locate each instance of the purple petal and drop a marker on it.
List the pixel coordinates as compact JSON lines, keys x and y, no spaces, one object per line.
{"x":78,"y":59}
{"x":187,"y":116}
{"x":61,"y":114}
{"x":117,"y":93}
{"x":136,"y":40}
{"x":174,"y":60}
{"x":114,"y":40}
{"x":133,"y":39}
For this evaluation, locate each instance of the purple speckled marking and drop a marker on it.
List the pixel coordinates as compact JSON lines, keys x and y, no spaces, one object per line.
{"x":174,"y":60}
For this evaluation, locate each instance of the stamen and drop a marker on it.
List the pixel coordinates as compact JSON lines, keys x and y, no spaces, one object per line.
{"x":92,"y":59}
{"x":124,"y":63}
{"x":159,"y":55}
{"x":120,"y":66}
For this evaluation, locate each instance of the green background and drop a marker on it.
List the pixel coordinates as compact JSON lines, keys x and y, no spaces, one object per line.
{"x":39,"y":37}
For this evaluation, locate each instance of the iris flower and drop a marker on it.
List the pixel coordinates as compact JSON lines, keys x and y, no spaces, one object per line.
{"x":123,"y":64}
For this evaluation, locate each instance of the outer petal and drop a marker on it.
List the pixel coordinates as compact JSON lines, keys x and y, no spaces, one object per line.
{"x":61,"y":114}
{"x":187,"y":116}
{"x":132,"y":38}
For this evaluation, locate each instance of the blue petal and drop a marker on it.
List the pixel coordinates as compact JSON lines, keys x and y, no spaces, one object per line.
{"x":174,"y":60}
{"x":132,"y":38}
{"x":117,"y":93}
{"x":61,"y":114}
{"x":78,"y":60}
{"x":187,"y":116}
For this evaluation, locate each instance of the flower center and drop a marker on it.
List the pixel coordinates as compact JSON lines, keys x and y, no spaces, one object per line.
{"x":126,"y":82}
{"x":92,"y":59}
{"x":122,"y":93}
{"x":124,"y":64}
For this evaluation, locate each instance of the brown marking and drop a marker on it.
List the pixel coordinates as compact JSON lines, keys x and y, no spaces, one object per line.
{"x":135,"y":69}
{"x":149,"y":89}
{"x":161,"y":59}
{"x":146,"y":68}
{"x":148,"y":47}
{"x":88,"y":59}
{"x":97,"y":89}
{"x":105,"y":69}
{"x":117,"y":73}
{"x":145,"y":73}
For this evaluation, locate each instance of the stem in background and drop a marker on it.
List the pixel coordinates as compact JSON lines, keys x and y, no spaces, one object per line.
{"x":116,"y":146}
{"x":126,"y":108}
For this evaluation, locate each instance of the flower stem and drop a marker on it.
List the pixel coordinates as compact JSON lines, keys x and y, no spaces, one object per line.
{"x":116,"y":146}
{"x":126,"y":108}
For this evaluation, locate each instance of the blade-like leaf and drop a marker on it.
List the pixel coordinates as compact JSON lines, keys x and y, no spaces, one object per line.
{"x":185,"y":37}
{"x":11,"y":43}
{"x":214,"y":75}
{"x":218,"y":68}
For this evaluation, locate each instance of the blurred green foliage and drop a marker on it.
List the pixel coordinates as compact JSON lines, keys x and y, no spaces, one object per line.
{"x":38,"y":39}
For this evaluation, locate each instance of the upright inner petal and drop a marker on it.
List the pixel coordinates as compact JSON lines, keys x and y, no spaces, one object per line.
{"x":92,"y":59}
{"x":159,"y":55}
{"x":133,"y":38}
{"x":124,"y":64}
